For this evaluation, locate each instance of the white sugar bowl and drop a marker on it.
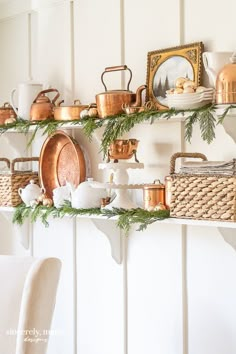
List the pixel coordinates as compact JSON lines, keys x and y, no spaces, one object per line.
{"x":60,"y":195}
{"x":30,"y":193}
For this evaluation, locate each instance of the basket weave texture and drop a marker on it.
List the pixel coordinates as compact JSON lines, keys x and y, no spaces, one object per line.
{"x":11,"y":181}
{"x":204,"y":197}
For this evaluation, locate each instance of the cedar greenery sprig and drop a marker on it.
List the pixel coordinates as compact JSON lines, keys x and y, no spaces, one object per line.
{"x":117,"y":125}
{"x":126,"y":218}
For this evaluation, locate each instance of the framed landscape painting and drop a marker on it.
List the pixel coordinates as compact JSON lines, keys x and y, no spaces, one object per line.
{"x":166,"y":65}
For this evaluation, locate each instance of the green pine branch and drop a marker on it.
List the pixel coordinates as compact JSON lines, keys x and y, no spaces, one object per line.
{"x":116,"y":126}
{"x":126,"y":218}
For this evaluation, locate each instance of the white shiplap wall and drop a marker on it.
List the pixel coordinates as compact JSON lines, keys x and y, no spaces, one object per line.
{"x":168,"y":296}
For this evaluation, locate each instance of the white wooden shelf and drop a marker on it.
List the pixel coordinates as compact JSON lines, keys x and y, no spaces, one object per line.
{"x":108,"y":227}
{"x":176,"y":221}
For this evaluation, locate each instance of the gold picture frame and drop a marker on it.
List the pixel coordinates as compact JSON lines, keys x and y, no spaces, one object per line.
{"x":166,"y":65}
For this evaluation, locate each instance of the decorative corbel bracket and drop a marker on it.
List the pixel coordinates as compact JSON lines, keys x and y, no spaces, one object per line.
{"x":113,"y":233}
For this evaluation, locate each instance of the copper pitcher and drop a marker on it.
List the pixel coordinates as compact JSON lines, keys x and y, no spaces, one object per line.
{"x":111,"y":102}
{"x":42,"y":107}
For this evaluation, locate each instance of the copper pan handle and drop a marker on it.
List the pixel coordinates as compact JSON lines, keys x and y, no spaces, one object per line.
{"x":116,"y":68}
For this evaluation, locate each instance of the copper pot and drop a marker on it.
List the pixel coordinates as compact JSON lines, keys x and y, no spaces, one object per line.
{"x":153,"y":194}
{"x":6,"y":112}
{"x":42,"y":107}
{"x":111,"y":102}
{"x":69,"y":112}
{"x":122,"y":149}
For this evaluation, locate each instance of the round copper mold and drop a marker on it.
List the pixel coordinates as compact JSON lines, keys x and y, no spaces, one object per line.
{"x":61,"y":160}
{"x":123,"y":149}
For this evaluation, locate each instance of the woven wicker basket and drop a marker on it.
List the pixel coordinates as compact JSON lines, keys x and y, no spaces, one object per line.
{"x":11,"y":181}
{"x":204,"y":197}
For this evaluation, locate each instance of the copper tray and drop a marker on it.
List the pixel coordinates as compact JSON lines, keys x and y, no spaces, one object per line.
{"x":61,"y":159}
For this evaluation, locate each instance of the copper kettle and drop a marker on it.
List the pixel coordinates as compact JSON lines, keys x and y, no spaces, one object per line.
{"x":111,"y":102}
{"x":42,"y":107}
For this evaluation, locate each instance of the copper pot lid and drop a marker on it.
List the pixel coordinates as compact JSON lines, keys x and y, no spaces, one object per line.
{"x":61,"y":160}
{"x":155,"y":185}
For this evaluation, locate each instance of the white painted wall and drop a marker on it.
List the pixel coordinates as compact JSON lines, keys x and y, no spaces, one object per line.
{"x":139,"y":306}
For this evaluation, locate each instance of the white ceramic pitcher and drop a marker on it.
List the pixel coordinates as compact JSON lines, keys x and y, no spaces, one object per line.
{"x":27,"y":91}
{"x":213,"y":62}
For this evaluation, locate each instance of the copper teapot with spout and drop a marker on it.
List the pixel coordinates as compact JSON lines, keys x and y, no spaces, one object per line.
{"x":42,"y":107}
{"x":110,"y":102}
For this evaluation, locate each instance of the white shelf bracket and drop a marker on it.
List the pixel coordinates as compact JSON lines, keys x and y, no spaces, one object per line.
{"x":22,"y":232}
{"x":113,"y":234}
{"x":229,"y":236}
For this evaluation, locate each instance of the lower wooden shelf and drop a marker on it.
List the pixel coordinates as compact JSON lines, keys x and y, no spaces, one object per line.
{"x":114,"y":235}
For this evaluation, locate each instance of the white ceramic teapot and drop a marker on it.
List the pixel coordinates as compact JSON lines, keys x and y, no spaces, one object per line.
{"x":27,"y":91}
{"x":87,"y":195}
{"x":213,"y":62}
{"x":30,"y":193}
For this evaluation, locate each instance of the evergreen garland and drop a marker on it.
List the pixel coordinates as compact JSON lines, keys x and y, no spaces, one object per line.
{"x":126,"y":218}
{"x":115,"y":126}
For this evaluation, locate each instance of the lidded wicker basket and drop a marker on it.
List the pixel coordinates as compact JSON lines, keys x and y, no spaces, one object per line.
{"x":204,"y":197}
{"x":12,"y":179}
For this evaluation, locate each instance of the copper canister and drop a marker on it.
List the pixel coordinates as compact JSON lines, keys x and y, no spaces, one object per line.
{"x":153,"y":194}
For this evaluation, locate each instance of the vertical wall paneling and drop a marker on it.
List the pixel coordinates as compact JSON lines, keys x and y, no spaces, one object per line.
{"x":72,"y":49}
{"x":181,"y":22}
{"x":184,"y":289}
{"x":148,"y":26}
{"x":58,"y":240}
{"x":125,"y":294}
{"x":55,"y":48}
{"x":96,"y":48}
{"x":14,"y":32}
{"x":75,"y":285}
{"x":122,"y":41}
{"x":29,"y":47}
{"x":175,"y":291}
{"x":100,"y":319}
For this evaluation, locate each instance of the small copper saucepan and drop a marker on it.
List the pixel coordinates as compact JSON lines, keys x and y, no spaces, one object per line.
{"x":153,"y":194}
{"x":69,"y":112}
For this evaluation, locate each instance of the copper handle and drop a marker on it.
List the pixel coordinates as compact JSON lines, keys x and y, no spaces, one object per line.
{"x":77,"y":102}
{"x":59,"y":103}
{"x":6,"y":105}
{"x":47,"y":91}
{"x":116,"y":68}
{"x":22,"y":159}
{"x":92,"y":105}
{"x":184,"y":154}
{"x":6,"y":160}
